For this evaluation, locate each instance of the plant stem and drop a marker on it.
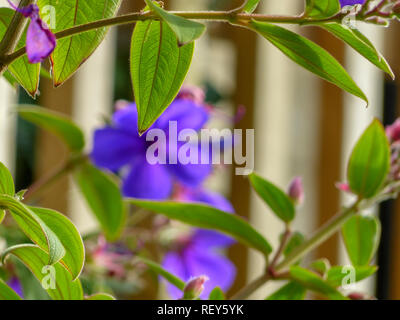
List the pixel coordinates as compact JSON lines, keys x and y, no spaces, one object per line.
{"x":320,"y":236}
{"x":13,"y":35}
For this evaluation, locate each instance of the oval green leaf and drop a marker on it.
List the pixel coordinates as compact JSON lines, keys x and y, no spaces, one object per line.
{"x":36,"y":261}
{"x":34,"y":228}
{"x":360,"y":43}
{"x":6,"y":181}
{"x":309,"y":55}
{"x":72,"y":52}
{"x":217,"y":294}
{"x":320,"y":9}
{"x":69,"y":236}
{"x":56,"y":123}
{"x":158,"y":68}
{"x":250,"y":6}
{"x":361,"y":235}
{"x":185,"y":30}
{"x":313,"y":282}
{"x":274,"y":197}
{"x":25,"y":73}
{"x":369,"y":163}
{"x":290,"y":291}
{"x":103,"y":196}
{"x":206,"y":217}
{"x":337,"y":274}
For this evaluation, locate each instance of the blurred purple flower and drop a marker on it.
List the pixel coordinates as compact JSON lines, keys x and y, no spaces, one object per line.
{"x":15,"y":284}
{"x":197,"y":254}
{"x":40,"y":41}
{"x":344,"y":3}
{"x":119,"y":145}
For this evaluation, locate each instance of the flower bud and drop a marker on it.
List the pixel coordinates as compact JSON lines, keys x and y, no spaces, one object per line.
{"x":393,"y":131}
{"x":296,"y":190}
{"x":343,"y":186}
{"x":194,"y":288}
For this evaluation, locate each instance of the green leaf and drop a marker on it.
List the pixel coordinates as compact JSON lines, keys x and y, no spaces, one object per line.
{"x":315,"y":283}
{"x":6,"y":293}
{"x":369,"y":163}
{"x":72,"y":52}
{"x":36,"y":261}
{"x":34,"y":228}
{"x":295,"y":240}
{"x":100,"y":296}
{"x":104,"y":198}
{"x":337,"y":274}
{"x":275,"y":198}
{"x":180,"y":284}
{"x":250,"y":6}
{"x":185,"y":30}
{"x":321,"y":266}
{"x":320,"y":9}
{"x":56,"y":123}
{"x":217,"y":294}
{"x":360,"y":43}
{"x":158,"y":68}
{"x":361,"y":235}
{"x":69,"y":236}
{"x":290,"y":291}
{"x":206,"y":217}
{"x":25,"y":73}
{"x":308,"y":55}
{"x":6,"y":181}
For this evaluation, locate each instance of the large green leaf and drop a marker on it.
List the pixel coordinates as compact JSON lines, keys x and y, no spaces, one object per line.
{"x":319,"y":9}
{"x":361,"y":235}
{"x":274,"y":197}
{"x":6,"y":181}
{"x":100,"y":296}
{"x":158,"y":67}
{"x":369,"y":163}
{"x":25,"y":73}
{"x":6,"y":293}
{"x":186,"y":30}
{"x":206,"y":217}
{"x":104,"y":198}
{"x":291,"y":291}
{"x":71,"y":52}
{"x":56,"y":123}
{"x":360,"y":43}
{"x":315,"y":283}
{"x":250,"y":6}
{"x":155,"y":267}
{"x":36,"y":261}
{"x":69,"y":236}
{"x":308,"y":55}
{"x":337,"y":274}
{"x":34,"y":228}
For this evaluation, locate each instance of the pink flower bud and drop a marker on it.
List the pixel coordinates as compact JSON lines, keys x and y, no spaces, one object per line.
{"x":393,"y":131}
{"x":194,"y":288}
{"x":296,"y":190}
{"x":343,"y":187}
{"x":193,"y":93}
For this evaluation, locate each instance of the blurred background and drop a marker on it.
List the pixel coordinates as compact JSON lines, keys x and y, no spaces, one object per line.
{"x":304,"y":126}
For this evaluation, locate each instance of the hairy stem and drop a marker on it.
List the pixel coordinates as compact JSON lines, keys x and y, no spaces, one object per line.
{"x":13,"y":35}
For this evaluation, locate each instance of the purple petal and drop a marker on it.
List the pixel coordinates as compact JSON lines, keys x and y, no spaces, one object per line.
{"x":40,"y":41}
{"x":126,"y":119}
{"x":344,"y":3}
{"x":113,"y":148}
{"x":208,"y":239}
{"x":15,"y":284}
{"x":146,"y":181}
{"x":186,"y":113}
{"x":174,"y":263}
{"x":211,"y":198}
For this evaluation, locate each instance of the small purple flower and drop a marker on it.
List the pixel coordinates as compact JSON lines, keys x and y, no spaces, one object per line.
{"x":197,"y":255}
{"x":119,"y":146}
{"x":40,"y":41}
{"x":15,"y":284}
{"x":344,"y":3}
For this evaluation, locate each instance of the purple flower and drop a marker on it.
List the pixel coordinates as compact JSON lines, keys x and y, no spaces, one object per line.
{"x":197,"y":255}
{"x":344,"y":3}
{"x":119,"y":146}
{"x":15,"y":284}
{"x":40,"y":41}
